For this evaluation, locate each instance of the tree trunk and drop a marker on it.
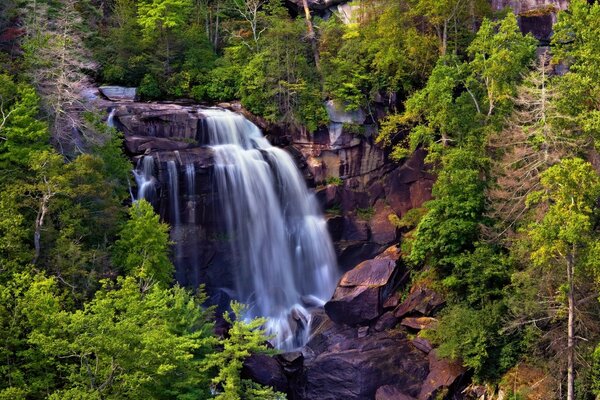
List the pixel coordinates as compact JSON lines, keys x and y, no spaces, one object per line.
{"x":311,"y":34}
{"x":570,"y":330}
{"x":39,"y":223}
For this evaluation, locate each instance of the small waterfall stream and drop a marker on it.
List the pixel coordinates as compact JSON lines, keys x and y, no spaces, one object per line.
{"x":283,"y":258}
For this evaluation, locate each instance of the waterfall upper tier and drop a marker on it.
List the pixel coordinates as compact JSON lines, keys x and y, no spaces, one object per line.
{"x":270,"y":244}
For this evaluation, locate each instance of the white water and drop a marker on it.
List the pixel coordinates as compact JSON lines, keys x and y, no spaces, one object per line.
{"x":279,"y":240}
{"x":284,"y":251}
{"x":144,"y":177}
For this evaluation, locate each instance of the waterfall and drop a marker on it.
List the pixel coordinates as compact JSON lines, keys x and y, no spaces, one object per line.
{"x":285,"y":256}
{"x":280,"y":259}
{"x":144,"y":178}
{"x":110,"y":121}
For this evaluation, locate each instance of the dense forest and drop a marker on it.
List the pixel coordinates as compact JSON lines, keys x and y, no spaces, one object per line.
{"x":89,"y":308}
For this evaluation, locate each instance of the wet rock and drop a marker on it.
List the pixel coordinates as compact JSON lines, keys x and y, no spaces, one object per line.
{"x":265,"y":370}
{"x":350,"y":253}
{"x":362,"y":331}
{"x":391,"y":392}
{"x":335,"y":227}
{"x":118,"y":93}
{"x":358,"y":297}
{"x":328,"y":196}
{"x":420,"y":300}
{"x":442,"y":374}
{"x":419,"y":323}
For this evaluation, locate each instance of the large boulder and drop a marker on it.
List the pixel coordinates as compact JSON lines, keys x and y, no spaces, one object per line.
{"x":421,"y":300}
{"x":362,"y":291}
{"x":349,"y":366}
{"x":266,"y":371}
{"x":443,"y":373}
{"x":118,"y":93}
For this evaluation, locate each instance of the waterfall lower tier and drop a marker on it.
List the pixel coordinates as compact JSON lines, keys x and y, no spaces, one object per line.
{"x":271,"y":248}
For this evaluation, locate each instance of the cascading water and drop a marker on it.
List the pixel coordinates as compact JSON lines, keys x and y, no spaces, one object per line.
{"x":282,"y":256}
{"x":285,"y":256}
{"x":144,"y":177}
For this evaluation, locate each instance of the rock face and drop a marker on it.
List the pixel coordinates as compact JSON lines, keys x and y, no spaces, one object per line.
{"x":362,"y":352}
{"x":369,"y":188}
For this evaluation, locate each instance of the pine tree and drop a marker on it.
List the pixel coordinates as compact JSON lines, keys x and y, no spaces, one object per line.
{"x":143,"y":248}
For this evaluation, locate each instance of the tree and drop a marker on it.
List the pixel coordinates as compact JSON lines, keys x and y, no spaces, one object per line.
{"x":143,"y":247}
{"x":565,"y":237}
{"x":123,"y":344}
{"x":463,"y":101}
{"x":577,"y":44}
{"x":21,"y":133}
{"x":164,"y":17}
{"x":56,"y":58}
{"x":244,"y":338}
{"x":252,"y":14}
{"x":534,"y":139}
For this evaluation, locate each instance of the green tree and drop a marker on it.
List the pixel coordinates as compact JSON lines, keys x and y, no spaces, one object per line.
{"x":565,"y":237}
{"x":143,"y":247}
{"x":577,"y":43}
{"x":162,"y":18}
{"x":244,"y":338}
{"x":21,"y":133}
{"x":463,"y":101}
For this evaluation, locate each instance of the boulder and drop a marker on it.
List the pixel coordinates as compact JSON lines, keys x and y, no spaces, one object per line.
{"x":421,"y":300}
{"x":291,"y":362}
{"x":391,"y":392}
{"x":442,"y":374}
{"x":265,"y":370}
{"x":358,"y":298}
{"x":422,"y":344}
{"x":354,"y":368}
{"x":118,"y":93}
{"x":386,"y":321}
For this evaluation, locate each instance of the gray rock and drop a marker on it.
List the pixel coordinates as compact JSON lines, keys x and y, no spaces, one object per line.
{"x":118,"y":93}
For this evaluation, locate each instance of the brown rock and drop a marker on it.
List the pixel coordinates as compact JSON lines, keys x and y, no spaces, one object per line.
{"x":266,"y":371}
{"x":442,"y":374}
{"x":386,"y":321}
{"x":353,"y":368}
{"x":420,"y":300}
{"x":382,"y":230}
{"x":392,"y":301}
{"x":391,"y":392}
{"x":422,"y":344}
{"x":419,"y":323}
{"x":358,"y":297}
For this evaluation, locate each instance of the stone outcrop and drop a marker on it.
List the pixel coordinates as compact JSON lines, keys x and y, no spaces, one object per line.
{"x":421,"y":300}
{"x":361,"y":291}
{"x":118,"y":93}
{"x":369,"y":188}
{"x":363,"y":352}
